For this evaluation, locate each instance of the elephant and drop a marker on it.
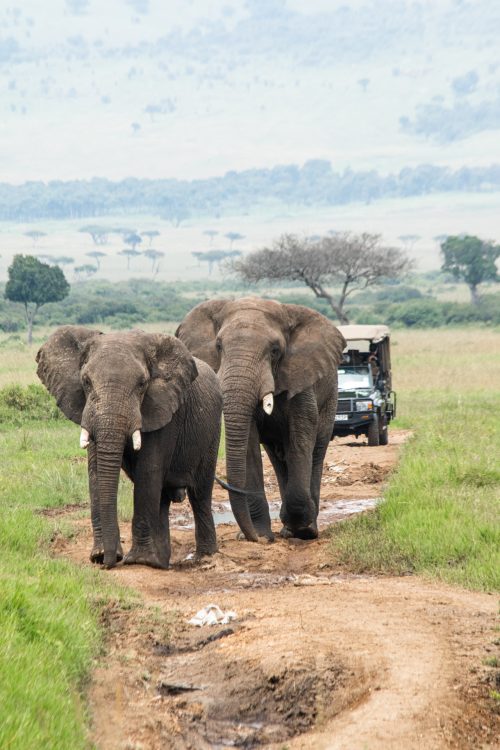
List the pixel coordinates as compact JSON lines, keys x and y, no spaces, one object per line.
{"x":146,"y":405}
{"x":277,"y":365}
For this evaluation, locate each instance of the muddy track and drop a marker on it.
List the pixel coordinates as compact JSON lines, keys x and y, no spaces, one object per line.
{"x":316,"y":658}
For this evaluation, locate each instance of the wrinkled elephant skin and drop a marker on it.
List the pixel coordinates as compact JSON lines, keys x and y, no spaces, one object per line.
{"x":277,"y":365}
{"x":146,"y":405}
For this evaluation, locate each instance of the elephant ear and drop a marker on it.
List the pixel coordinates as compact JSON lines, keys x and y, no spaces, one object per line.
{"x":173,"y":369}
{"x":59,"y":361}
{"x":198,"y":331}
{"x":313,"y":352}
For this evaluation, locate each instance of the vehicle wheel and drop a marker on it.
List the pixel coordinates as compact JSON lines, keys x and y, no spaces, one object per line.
{"x":383,"y":438}
{"x":373,"y":432}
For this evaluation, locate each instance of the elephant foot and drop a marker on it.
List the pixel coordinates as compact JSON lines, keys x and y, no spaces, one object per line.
{"x":97,"y":554}
{"x":308,"y":532}
{"x":145,"y":556}
{"x":261,"y":539}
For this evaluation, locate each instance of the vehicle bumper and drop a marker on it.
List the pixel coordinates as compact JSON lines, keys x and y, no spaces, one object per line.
{"x":354,"y":424}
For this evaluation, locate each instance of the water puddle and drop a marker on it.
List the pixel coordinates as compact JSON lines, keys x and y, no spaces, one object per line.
{"x":329,"y":512}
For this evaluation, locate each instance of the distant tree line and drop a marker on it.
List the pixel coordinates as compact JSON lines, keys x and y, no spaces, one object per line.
{"x":313,"y":184}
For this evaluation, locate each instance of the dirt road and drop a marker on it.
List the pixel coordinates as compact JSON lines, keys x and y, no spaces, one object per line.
{"x":316,"y":658}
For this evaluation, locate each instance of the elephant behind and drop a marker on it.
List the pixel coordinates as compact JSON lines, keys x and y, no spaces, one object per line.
{"x":277,"y":365}
{"x":146,"y":404}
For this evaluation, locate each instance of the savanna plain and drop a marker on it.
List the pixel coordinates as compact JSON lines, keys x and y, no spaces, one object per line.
{"x":383,"y":633}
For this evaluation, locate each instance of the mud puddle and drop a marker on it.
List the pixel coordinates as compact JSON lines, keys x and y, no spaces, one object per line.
{"x":330,"y":511}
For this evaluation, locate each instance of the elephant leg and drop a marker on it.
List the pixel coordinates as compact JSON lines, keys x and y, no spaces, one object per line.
{"x":257,"y":504}
{"x":150,"y":525}
{"x":299,"y":510}
{"x":200,"y":498}
{"x":275,"y":455}
{"x":97,"y":551}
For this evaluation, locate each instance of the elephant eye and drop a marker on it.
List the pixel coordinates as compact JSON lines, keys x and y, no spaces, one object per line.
{"x":218,"y":345}
{"x":275,"y":350}
{"x":86,"y":382}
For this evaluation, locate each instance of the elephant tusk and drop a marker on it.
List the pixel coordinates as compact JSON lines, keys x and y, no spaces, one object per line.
{"x":84,"y":438}
{"x":136,"y":440}
{"x":268,"y":403}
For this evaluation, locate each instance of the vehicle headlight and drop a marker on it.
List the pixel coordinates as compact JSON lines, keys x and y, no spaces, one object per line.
{"x":364,"y":405}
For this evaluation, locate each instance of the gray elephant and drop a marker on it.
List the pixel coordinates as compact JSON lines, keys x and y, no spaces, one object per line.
{"x":277,"y":365}
{"x":145,"y":404}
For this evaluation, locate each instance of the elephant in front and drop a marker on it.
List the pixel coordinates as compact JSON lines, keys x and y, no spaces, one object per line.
{"x":277,"y":366}
{"x":146,"y":405}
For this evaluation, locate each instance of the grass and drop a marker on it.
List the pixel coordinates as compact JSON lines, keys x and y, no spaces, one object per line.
{"x":49,"y":608}
{"x":441,"y":511}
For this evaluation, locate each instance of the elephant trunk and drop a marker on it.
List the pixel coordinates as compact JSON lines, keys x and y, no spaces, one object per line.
{"x":239,"y":407}
{"x":110,"y":443}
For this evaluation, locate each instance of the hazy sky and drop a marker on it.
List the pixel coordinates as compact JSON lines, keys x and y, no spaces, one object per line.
{"x":194,"y":88}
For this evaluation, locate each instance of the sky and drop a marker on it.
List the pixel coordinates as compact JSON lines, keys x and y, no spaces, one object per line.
{"x":195,"y":88}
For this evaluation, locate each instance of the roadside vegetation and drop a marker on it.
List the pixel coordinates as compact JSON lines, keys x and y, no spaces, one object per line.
{"x":49,"y":609}
{"x":441,"y":514}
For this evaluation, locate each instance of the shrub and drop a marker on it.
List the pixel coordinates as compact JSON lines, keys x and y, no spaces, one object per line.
{"x":20,"y":404}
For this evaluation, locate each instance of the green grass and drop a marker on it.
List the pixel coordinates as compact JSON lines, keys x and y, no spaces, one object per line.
{"x":49,"y":608}
{"x":441,"y":512}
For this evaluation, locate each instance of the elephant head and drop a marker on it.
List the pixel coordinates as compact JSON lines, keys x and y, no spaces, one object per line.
{"x":114,"y":385}
{"x":260,"y":348}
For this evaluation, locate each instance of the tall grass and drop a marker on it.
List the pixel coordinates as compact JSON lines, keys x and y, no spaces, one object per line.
{"x":49,"y":609}
{"x":441,"y":514}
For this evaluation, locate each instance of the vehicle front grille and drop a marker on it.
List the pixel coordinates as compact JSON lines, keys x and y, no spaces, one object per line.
{"x":344,"y":406}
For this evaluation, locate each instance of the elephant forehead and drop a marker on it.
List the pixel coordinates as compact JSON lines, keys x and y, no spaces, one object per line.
{"x":250,"y":309}
{"x":117,"y":355}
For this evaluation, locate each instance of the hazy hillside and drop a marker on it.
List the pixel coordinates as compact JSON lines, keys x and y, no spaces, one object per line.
{"x":196,"y":88}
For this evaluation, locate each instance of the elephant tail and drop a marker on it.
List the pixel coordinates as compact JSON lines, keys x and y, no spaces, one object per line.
{"x":231,"y":488}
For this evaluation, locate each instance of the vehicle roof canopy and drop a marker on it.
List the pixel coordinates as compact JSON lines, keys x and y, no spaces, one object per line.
{"x":375,"y":333}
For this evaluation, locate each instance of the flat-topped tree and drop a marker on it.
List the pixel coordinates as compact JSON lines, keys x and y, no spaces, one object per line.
{"x":96,"y":255}
{"x":86,"y":271}
{"x":129,"y":253}
{"x":99,"y":234}
{"x":34,"y":284}
{"x":35,"y":235}
{"x":233,"y":237}
{"x":155,"y":257}
{"x":472,"y":260}
{"x":150,"y":234}
{"x":133,"y":239}
{"x":350,"y":261}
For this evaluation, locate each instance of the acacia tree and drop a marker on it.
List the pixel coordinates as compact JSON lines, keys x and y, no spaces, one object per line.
{"x":352,"y":261}
{"x":129,"y":253}
{"x":35,"y":235}
{"x":233,"y":237}
{"x":151,"y":234}
{"x":99,"y":234}
{"x":96,"y":255}
{"x":470,"y":259}
{"x":154,"y":256}
{"x":34,"y":284}
{"x":86,"y":270}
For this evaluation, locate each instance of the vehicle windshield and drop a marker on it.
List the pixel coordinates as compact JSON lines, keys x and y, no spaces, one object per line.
{"x":351,"y":378}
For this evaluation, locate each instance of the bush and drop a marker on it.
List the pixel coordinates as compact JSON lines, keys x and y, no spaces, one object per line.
{"x":20,"y":404}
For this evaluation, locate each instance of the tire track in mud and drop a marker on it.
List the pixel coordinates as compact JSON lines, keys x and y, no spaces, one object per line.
{"x":316,"y":659}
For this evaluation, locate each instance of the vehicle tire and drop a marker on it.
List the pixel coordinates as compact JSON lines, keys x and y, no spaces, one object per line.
{"x":373,"y":432}
{"x":383,"y":438}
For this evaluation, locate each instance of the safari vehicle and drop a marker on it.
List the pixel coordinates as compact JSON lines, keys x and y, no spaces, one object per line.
{"x":367,"y":403}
